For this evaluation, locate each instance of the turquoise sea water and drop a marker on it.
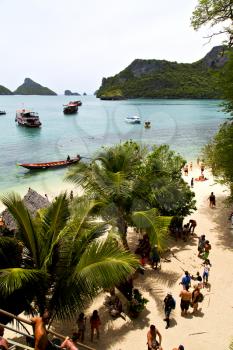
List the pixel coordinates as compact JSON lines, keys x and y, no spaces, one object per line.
{"x":186,"y":125}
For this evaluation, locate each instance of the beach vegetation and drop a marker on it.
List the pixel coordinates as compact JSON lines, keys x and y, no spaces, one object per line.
{"x":218,"y":155}
{"x":130,"y":180}
{"x":66,"y":259}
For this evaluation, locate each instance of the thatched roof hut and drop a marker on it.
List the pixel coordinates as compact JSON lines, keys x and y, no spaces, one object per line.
{"x":33,"y":201}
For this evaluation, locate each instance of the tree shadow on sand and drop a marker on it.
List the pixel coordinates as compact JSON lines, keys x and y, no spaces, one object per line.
{"x":220,"y":217}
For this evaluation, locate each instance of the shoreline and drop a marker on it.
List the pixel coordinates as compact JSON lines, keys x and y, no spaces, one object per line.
{"x":214,"y":318}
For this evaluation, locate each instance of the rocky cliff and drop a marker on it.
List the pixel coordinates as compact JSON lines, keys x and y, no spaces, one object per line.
{"x":164,"y":79}
{"x":30,"y":87}
{"x":70,"y":93}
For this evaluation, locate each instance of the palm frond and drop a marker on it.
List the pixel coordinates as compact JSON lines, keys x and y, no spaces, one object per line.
{"x":156,"y":226}
{"x":13,"y":279}
{"x":52,"y":223}
{"x":16,"y":207}
{"x":105,"y":264}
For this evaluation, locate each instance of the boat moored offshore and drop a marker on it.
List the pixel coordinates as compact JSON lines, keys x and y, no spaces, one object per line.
{"x":133,"y":120}
{"x":27,"y":118}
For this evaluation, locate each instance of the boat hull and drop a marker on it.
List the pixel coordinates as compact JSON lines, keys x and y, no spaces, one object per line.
{"x":50,"y":165}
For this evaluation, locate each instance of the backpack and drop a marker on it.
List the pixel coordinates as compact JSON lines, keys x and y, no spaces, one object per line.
{"x":173,"y":304}
{"x":200,"y":298}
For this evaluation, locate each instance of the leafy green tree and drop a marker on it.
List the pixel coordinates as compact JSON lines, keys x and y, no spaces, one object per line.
{"x":218,"y":155}
{"x":225,"y":82}
{"x":162,"y":185}
{"x":215,"y":12}
{"x":66,"y":260}
{"x":127,"y":178}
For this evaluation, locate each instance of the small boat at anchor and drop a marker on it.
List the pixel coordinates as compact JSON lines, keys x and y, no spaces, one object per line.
{"x":133,"y":120}
{"x":72,"y":107}
{"x":27,"y":118}
{"x":51,"y":165}
{"x":147,"y":125}
{"x":2,"y":112}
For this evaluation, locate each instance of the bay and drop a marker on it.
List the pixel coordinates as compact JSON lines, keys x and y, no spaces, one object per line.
{"x":186,"y":125}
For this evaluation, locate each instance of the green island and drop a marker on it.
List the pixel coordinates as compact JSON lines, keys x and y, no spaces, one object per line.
{"x":30,"y":87}
{"x":164,"y":79}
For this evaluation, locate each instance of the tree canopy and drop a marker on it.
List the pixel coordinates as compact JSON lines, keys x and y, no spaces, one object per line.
{"x":65,"y":260}
{"x":128,"y":178}
{"x":218,"y":155}
{"x":215,"y":12}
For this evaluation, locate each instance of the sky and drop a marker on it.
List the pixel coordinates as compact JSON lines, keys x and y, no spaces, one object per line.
{"x":73,"y":44}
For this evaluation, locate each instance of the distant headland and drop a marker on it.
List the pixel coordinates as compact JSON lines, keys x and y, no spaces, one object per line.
{"x":164,"y":79}
{"x":29,"y":87}
{"x":70,"y":93}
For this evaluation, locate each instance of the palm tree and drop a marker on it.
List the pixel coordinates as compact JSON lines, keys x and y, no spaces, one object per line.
{"x":111,"y":178}
{"x":67,"y":259}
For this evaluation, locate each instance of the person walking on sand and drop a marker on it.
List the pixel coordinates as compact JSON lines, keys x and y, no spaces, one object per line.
{"x":212,"y":200}
{"x":3,"y":342}
{"x":186,"y":170}
{"x":207,"y":248}
{"x":192,"y":182}
{"x":169,"y":305}
{"x":195,"y":299}
{"x":201,"y":245}
{"x":206,"y":272}
{"x":81,"y":322}
{"x":152,"y":342}
{"x":186,"y":297}
{"x":95,"y":324}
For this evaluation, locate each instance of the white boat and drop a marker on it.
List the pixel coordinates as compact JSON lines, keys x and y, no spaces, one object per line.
{"x":27,"y":118}
{"x":133,"y":120}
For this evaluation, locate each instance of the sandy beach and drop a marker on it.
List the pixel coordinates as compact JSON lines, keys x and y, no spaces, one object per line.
{"x":211,"y":328}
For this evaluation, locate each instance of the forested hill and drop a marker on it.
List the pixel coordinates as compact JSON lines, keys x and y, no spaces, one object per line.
{"x":164,"y":79}
{"x":5,"y":91}
{"x":30,"y":87}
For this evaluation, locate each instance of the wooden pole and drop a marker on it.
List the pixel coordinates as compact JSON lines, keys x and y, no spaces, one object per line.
{"x":3,"y":312}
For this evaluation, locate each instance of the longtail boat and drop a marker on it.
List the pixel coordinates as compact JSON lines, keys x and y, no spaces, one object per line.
{"x":51,"y":165}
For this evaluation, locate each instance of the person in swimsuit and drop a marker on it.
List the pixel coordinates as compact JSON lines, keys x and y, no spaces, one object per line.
{"x":186,"y":297}
{"x":152,"y":343}
{"x":195,"y":299}
{"x":95,"y":324}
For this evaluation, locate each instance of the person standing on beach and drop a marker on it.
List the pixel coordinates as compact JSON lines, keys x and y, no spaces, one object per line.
{"x":207,"y":248}
{"x":191,"y":166}
{"x":81,"y":322}
{"x":195,"y":299}
{"x":206,"y":272}
{"x":95,"y":324}
{"x":186,"y":280}
{"x":169,"y":305}
{"x":186,"y":297}
{"x":192,"y":182}
{"x":201,"y":245}
{"x":212,"y":200}
{"x":152,"y":342}
{"x":3,"y":342}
